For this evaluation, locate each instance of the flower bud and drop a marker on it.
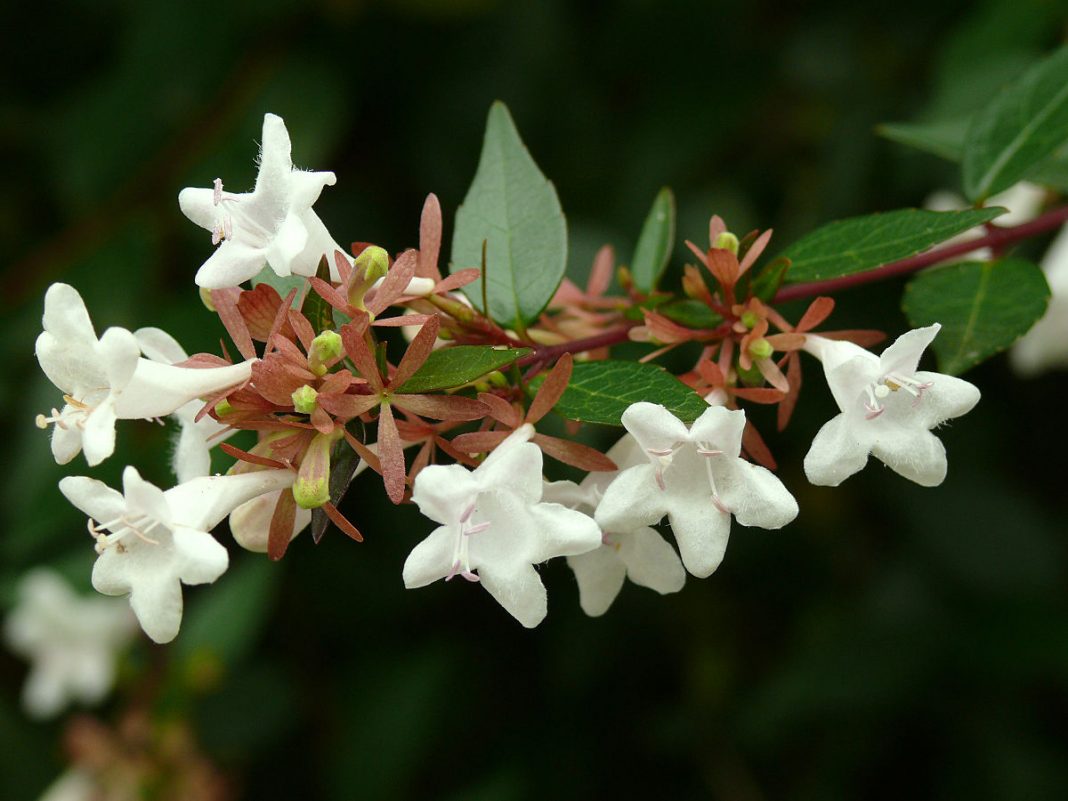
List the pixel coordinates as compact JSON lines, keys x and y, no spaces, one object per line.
{"x":750,"y":319}
{"x":761,"y":348}
{"x":373,"y":261}
{"x":312,"y":487}
{"x":324,"y":348}
{"x":304,"y":399}
{"x":727,"y":241}
{"x":223,"y":408}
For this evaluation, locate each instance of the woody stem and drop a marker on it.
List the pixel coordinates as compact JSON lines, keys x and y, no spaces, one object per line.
{"x":996,"y":238}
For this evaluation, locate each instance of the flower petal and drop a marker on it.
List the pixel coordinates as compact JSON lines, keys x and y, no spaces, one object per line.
{"x":250,"y":523}
{"x":651,"y":561}
{"x":98,"y":435}
{"x":287,"y":244}
{"x":202,"y":503}
{"x":562,"y":531}
{"x":94,"y":498}
{"x":904,"y":354}
{"x":720,"y":427}
{"x":158,"y":606}
{"x":519,"y":591}
{"x":654,"y":426}
{"x":600,"y":574}
{"x":156,"y":389}
{"x":198,"y":205}
{"x":837,"y":452}
{"x":230,"y":264}
{"x":916,"y":454}
{"x":159,"y":346}
{"x":700,"y":528}
{"x":66,"y":442}
{"x":119,"y":353}
{"x":946,"y":398}
{"x":431,"y":559}
{"x":65,"y":315}
{"x":198,"y":557}
{"x":632,"y":500}
{"x":145,"y":498}
{"x":754,"y":494}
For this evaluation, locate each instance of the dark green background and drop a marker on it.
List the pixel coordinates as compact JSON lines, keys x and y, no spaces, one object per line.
{"x":893,"y":642}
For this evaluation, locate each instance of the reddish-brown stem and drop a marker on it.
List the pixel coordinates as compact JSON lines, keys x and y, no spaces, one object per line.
{"x":544,"y":354}
{"x":997,"y":239}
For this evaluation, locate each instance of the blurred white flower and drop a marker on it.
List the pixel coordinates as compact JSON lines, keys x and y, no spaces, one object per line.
{"x":72,"y":642}
{"x":1045,"y":346}
{"x":1022,"y":201}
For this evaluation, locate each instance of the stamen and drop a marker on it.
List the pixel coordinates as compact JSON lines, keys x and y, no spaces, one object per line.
{"x":716,"y":501}
{"x":476,"y":529}
{"x":217,"y":195}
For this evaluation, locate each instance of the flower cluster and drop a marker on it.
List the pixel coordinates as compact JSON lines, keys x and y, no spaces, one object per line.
{"x":325,"y":400}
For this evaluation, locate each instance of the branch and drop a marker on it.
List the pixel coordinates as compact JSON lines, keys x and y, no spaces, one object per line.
{"x":996,"y":239}
{"x":547,"y":353}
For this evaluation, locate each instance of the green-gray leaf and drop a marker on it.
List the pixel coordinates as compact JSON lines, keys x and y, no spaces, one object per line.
{"x":983,"y":306}
{"x":655,"y":242}
{"x":514,"y":208}
{"x":457,"y":365}
{"x":864,"y":243}
{"x":944,"y":139}
{"x":1025,"y":123}
{"x":599,"y":392}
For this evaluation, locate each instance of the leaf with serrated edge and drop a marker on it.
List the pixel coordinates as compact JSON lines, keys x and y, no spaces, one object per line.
{"x":599,"y":392}
{"x":983,"y":306}
{"x":858,"y":244}
{"x":452,"y":367}
{"x":514,"y":208}
{"x":655,"y":242}
{"x":1025,"y":123}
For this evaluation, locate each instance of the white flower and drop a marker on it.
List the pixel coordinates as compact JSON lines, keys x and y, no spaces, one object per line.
{"x":107,"y":380}
{"x":75,"y":784}
{"x":159,"y":540}
{"x":696,"y":477}
{"x":888,"y":409}
{"x":638,"y":553}
{"x":273,"y":224}
{"x":1045,"y":346}
{"x":71,"y":642}
{"x":493,"y":521}
{"x":196,"y":438}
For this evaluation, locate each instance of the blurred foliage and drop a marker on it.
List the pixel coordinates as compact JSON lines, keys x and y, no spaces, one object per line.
{"x":892,"y":642}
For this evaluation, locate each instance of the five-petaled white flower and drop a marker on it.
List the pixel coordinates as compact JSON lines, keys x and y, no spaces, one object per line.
{"x":636,"y":552}
{"x":495,"y":527}
{"x":192,"y":449}
{"x":696,"y":477}
{"x":888,"y":410}
{"x":1045,"y":346}
{"x":104,"y":380}
{"x":72,"y":642}
{"x":272,"y":224}
{"x":151,"y":542}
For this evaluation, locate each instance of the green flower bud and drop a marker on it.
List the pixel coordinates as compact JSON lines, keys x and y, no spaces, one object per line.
{"x":304,"y":399}
{"x":727,"y":241}
{"x":324,"y":348}
{"x":750,"y":319}
{"x":312,"y":487}
{"x":497,"y":379}
{"x":374,"y":261}
{"x":761,"y":348}
{"x":223,"y":408}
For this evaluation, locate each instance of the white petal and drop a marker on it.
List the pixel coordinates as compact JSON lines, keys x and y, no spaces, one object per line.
{"x":305,"y":187}
{"x":98,"y":435}
{"x":73,"y":366}
{"x":44,"y":695}
{"x":754,"y":494}
{"x":600,"y":574}
{"x":849,"y":380}
{"x":202,"y":503}
{"x":94,"y":498}
{"x":916,"y":454}
{"x":119,"y":354}
{"x":288,"y":243}
{"x":192,"y":455}
{"x":157,"y":390}
{"x":250,"y":523}
{"x":562,"y":531}
{"x":515,"y":465}
{"x":833,"y":352}
{"x":159,"y":346}
{"x":199,"y":558}
{"x":276,"y":163}
{"x":700,"y":529}
{"x":158,"y":606}
{"x":720,"y":427}
{"x":519,"y":591}
{"x":653,"y":426}
{"x":431,"y":559}
{"x":442,"y":491}
{"x":65,"y":315}
{"x":632,"y":500}
{"x":904,"y":354}
{"x":145,"y":498}
{"x":569,"y":494}
{"x":199,"y":206}
{"x":838,"y":451}
{"x":651,"y":561}
{"x":319,"y":243}
{"x":230,"y":264}
{"x":66,"y":442}
{"x":947,"y":397}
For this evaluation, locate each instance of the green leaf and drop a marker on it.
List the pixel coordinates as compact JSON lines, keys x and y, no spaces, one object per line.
{"x":319,"y":313}
{"x":864,"y":243}
{"x":1025,"y":123}
{"x":284,"y":285}
{"x":514,"y":208}
{"x":690,"y":313}
{"x":983,"y":306}
{"x":599,"y":392}
{"x":655,"y":242}
{"x":458,"y":365}
{"x":766,"y":283}
{"x":944,"y":138}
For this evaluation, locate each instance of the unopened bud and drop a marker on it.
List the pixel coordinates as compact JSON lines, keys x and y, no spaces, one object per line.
{"x":373,"y":261}
{"x":727,"y":241}
{"x":497,"y":379}
{"x":223,"y":408}
{"x":304,"y":399}
{"x":324,"y":348}
{"x":312,"y":487}
{"x":750,"y":319}
{"x":761,"y":348}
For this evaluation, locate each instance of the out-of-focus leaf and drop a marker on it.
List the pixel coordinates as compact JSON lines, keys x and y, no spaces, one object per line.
{"x":655,"y":242}
{"x":983,"y":306}
{"x":944,"y":139}
{"x":343,"y":466}
{"x":857,"y":244}
{"x":455,"y":366}
{"x":514,"y":209}
{"x":690,"y":313}
{"x":1020,"y":127}
{"x":319,"y":313}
